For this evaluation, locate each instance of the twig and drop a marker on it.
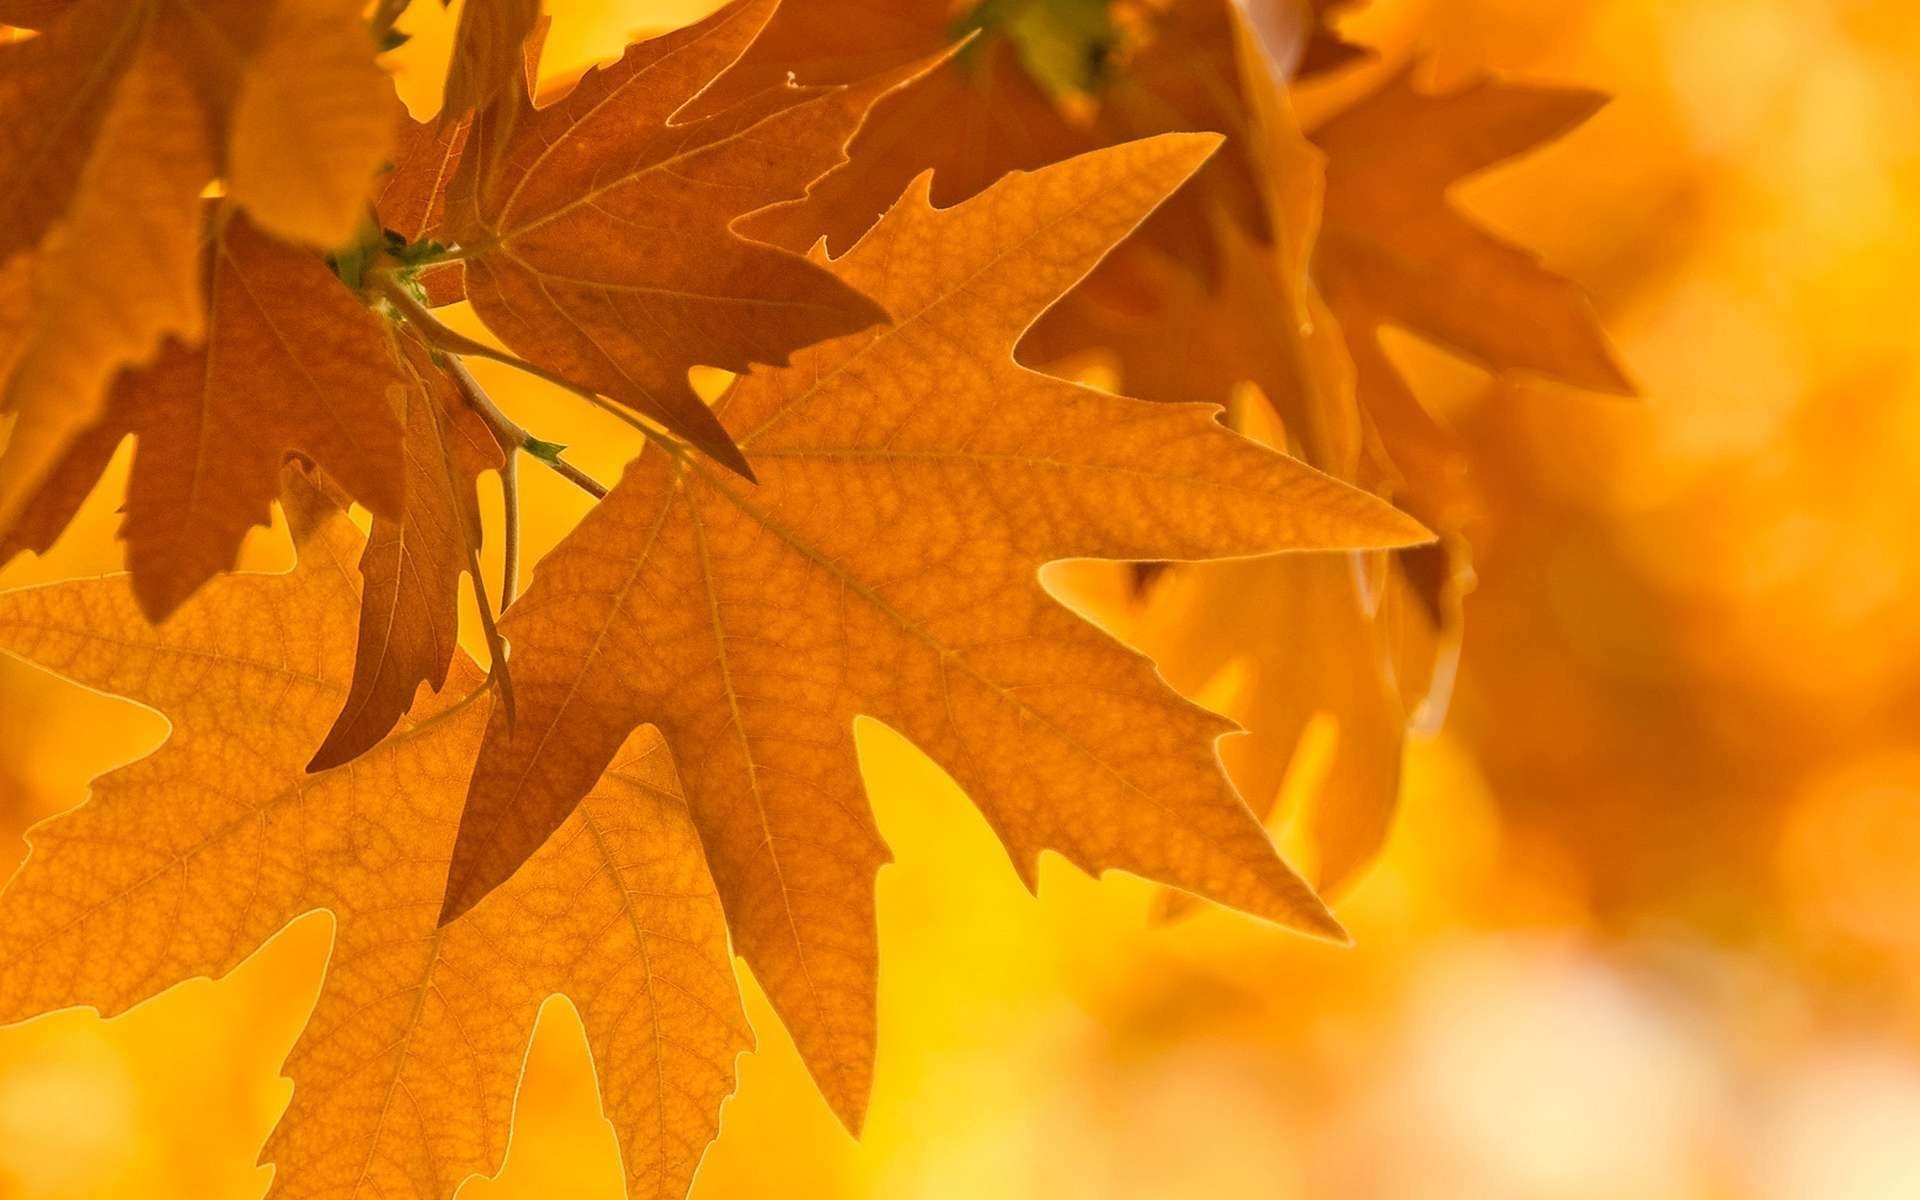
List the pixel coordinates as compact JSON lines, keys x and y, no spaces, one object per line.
{"x":514,"y":436}
{"x":510,"y":534}
{"x":455,"y":342}
{"x":572,"y":474}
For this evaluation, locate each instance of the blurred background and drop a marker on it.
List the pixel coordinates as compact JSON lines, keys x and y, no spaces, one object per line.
{"x":1648,"y":924}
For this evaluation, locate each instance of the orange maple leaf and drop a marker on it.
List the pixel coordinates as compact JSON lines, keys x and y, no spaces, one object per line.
{"x":409,"y":608}
{"x":210,"y":447}
{"x":122,"y":112}
{"x":913,"y":479}
{"x":596,"y":230}
{"x":1395,"y":251}
{"x":181,"y":864}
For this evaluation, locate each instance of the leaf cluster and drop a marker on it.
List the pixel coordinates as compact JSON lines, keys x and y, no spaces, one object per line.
{"x":899,"y":226}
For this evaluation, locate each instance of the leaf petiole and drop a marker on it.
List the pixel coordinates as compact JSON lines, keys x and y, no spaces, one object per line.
{"x":452,"y":341}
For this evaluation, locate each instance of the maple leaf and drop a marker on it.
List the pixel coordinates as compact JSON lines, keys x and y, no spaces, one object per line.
{"x":1394,"y":251}
{"x":310,"y":123}
{"x":1230,"y":300}
{"x":210,"y":443}
{"x":913,"y":479}
{"x":413,"y":199}
{"x":1349,"y":653}
{"x":983,"y":113}
{"x":181,"y":864}
{"x":596,"y":230}
{"x":1325,"y":679}
{"x":122,"y":112}
{"x":409,"y":609}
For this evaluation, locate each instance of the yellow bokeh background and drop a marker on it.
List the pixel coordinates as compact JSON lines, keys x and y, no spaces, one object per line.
{"x":1649,"y":922}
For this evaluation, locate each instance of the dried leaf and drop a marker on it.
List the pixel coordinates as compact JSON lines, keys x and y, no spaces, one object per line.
{"x":409,"y":608}
{"x":183,"y":863}
{"x":597,"y":229}
{"x":913,"y":479}
{"x":293,"y":363}
{"x":136,"y":105}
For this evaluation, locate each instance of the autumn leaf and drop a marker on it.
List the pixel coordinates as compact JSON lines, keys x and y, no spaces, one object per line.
{"x":181,"y":864}
{"x":984,"y":112}
{"x":413,"y":198}
{"x":1310,"y":642}
{"x":123,"y":113}
{"x":596,"y":230}
{"x":1395,"y":251}
{"x":409,"y":608}
{"x":210,"y":446}
{"x":912,"y":480}
{"x":1230,"y":300}
{"x":1339,"y":658}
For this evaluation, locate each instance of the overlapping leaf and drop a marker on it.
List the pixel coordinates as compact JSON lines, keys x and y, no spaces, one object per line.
{"x":983,"y":113}
{"x":912,"y":480}
{"x":596,"y":230}
{"x":409,"y":608}
{"x":486,"y":52}
{"x":119,"y":114}
{"x":1356,"y":650}
{"x":1396,"y":252}
{"x":1314,"y":644}
{"x":181,"y":864}
{"x":292,"y":362}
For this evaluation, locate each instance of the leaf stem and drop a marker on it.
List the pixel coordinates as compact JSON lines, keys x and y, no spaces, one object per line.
{"x":455,"y":342}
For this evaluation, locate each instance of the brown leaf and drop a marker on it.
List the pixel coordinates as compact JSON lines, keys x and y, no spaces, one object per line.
{"x":122,"y":111}
{"x":292,"y":363}
{"x":409,"y":607}
{"x":913,"y":479}
{"x":1394,"y":250}
{"x":180,"y":865}
{"x":413,"y":200}
{"x":597,"y":229}
{"x":970,"y":120}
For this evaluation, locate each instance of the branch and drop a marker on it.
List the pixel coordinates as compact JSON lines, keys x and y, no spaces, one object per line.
{"x":510,"y":533}
{"x":514,"y":436}
{"x":453,"y":341}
